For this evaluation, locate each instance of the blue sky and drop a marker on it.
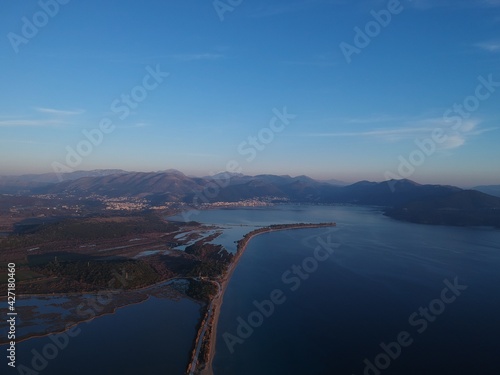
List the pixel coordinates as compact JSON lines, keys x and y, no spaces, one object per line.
{"x":231,"y":69}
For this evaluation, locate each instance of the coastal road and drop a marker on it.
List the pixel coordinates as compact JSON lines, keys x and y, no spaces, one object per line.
{"x":204,"y":331}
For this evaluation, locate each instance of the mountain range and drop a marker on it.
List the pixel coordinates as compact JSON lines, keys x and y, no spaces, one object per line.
{"x":489,"y":189}
{"x":26,"y":183}
{"x":403,"y":199}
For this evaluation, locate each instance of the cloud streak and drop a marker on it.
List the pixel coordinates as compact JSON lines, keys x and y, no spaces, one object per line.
{"x":455,"y":138}
{"x":44,"y":117}
{"x":27,"y":142}
{"x":31,"y":123}
{"x":291,"y":7}
{"x":59,"y":112}
{"x":198,"y":56}
{"x":406,"y":132}
{"x":429,"y":4}
{"x":490,"y":46}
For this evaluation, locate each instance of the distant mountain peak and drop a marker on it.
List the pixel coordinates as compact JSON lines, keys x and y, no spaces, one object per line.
{"x":334,"y":182}
{"x":363,"y":183}
{"x":489,"y":189}
{"x":172,"y":171}
{"x":221,"y":175}
{"x":403,"y":182}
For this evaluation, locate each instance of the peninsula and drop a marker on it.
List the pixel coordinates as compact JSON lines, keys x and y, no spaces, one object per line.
{"x":204,"y":348}
{"x":127,"y":256}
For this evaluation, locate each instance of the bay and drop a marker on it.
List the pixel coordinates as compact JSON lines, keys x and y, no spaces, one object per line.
{"x":380,"y":272}
{"x":380,"y":275}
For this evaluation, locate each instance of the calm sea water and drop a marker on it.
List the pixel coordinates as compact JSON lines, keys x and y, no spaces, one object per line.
{"x":237,"y":222}
{"x":368,"y":292}
{"x":380,"y":272}
{"x":153,"y":337}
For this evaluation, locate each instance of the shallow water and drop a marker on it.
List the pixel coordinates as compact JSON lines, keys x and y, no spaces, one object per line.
{"x":152,"y":337}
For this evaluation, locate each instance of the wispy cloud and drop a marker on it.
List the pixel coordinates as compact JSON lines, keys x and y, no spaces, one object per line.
{"x":270,"y":10}
{"x":32,"y":123}
{"x":491,"y":3}
{"x":417,"y":130}
{"x":382,"y":133}
{"x":375,"y":119}
{"x":315,"y":61}
{"x":198,"y":56}
{"x":428,"y":4}
{"x":59,"y":112}
{"x":134,"y":126}
{"x":41,"y":117}
{"x":24,"y":141}
{"x":199,"y":154}
{"x":490,"y":46}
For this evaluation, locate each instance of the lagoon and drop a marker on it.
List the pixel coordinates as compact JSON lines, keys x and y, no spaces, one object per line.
{"x":152,"y":337}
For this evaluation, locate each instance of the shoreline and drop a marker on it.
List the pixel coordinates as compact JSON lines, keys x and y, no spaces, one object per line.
{"x":113,"y":310}
{"x":71,"y":325}
{"x":208,"y":324}
{"x":219,"y":299}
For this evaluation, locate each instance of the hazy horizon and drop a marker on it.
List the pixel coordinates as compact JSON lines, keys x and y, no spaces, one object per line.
{"x":200,"y":174}
{"x":329,"y":89}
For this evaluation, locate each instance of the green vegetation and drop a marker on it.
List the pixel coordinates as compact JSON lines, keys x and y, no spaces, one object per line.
{"x":91,"y":229}
{"x":215,"y":259}
{"x":58,"y":263}
{"x":204,"y":354}
{"x":97,"y":275}
{"x":209,"y":268}
{"x":21,"y":275}
{"x":201,"y":290}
